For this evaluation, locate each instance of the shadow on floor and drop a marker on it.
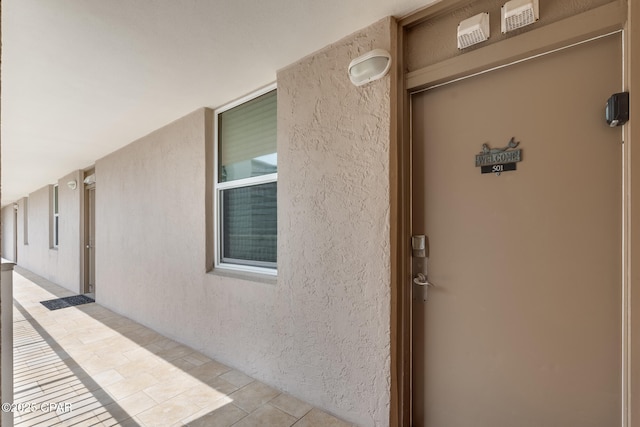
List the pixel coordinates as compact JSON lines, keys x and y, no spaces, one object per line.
{"x":45,"y":375}
{"x":117,"y":372}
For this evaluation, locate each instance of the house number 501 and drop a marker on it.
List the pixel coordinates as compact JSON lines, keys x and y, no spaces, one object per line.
{"x":499,"y":168}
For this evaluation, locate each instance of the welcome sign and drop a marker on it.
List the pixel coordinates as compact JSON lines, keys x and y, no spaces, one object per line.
{"x":497,"y":160}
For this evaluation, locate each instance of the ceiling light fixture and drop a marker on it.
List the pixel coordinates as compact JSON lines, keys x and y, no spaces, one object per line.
{"x":369,"y":67}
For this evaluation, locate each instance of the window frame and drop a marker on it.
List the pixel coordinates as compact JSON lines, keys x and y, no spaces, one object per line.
{"x":219,"y":187}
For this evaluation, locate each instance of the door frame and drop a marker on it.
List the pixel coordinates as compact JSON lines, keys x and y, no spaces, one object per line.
{"x":84,"y":227}
{"x":615,"y":16}
{"x":15,"y":233}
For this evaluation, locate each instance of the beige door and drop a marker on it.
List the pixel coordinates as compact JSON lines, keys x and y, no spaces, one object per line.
{"x":15,"y":236}
{"x":523,"y":325}
{"x":90,"y":244}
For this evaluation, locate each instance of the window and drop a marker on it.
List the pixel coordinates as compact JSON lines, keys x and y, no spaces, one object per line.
{"x":56,"y":217}
{"x":246,"y":184}
{"x":25,"y":220}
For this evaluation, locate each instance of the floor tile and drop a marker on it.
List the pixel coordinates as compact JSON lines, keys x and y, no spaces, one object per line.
{"x":136,"y":403}
{"x":115,"y":372}
{"x":224,"y":416}
{"x":174,"y":352}
{"x":129,"y":422}
{"x":170,"y":412}
{"x":164,"y":390}
{"x":151,"y":364}
{"x":291,"y":405}
{"x":220,"y":385}
{"x":197,"y":359}
{"x":209,"y":370}
{"x":204,"y":396}
{"x":317,"y":418}
{"x":108,"y":377}
{"x":237,"y":378}
{"x":183,"y":365}
{"x":252,"y":396}
{"x":131,"y":385}
{"x":267,"y":416}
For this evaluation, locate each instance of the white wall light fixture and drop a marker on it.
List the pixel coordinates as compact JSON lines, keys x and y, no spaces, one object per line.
{"x":519,"y":13}
{"x":91,"y":179}
{"x":369,"y":67}
{"x":473,"y":30}
{"x":73,"y":184}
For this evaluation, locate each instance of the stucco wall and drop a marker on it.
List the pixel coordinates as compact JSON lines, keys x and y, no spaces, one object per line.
{"x":321,"y":332}
{"x":60,"y":265}
{"x":334,"y":229}
{"x":150,"y":223}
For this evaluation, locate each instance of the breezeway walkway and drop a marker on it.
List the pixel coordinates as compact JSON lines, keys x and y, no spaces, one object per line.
{"x":87,"y":366}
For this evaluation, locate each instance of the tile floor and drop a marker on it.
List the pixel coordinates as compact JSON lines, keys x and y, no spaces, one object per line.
{"x":87,"y":366}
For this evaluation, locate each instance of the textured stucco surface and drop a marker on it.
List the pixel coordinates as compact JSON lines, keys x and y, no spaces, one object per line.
{"x":334,"y":241}
{"x":60,"y":265}
{"x":321,"y":331}
{"x":150,"y":237}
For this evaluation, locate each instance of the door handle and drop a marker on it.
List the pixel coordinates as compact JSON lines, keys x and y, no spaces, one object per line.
{"x":421,"y":280}
{"x":421,"y":291}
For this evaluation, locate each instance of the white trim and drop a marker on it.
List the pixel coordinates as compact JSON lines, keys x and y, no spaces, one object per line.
{"x":247,"y":269}
{"x":219,"y":263}
{"x":240,"y":101}
{"x":245,"y":182}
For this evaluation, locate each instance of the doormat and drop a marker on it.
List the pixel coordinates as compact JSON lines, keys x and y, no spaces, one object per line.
{"x":56,"y":304}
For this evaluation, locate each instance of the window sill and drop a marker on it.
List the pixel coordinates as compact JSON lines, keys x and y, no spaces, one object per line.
{"x":244,"y":275}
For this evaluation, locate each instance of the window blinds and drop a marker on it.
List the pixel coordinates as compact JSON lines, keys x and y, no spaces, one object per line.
{"x":247,"y":133}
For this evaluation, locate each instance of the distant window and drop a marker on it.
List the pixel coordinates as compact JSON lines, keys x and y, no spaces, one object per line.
{"x":25,"y":220}
{"x":56,"y":217}
{"x":246,"y":184}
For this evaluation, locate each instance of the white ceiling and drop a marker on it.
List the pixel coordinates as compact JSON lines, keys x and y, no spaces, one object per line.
{"x":82,"y":78}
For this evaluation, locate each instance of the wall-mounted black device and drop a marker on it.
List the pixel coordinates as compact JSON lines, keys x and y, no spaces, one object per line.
{"x":617,"y":110}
